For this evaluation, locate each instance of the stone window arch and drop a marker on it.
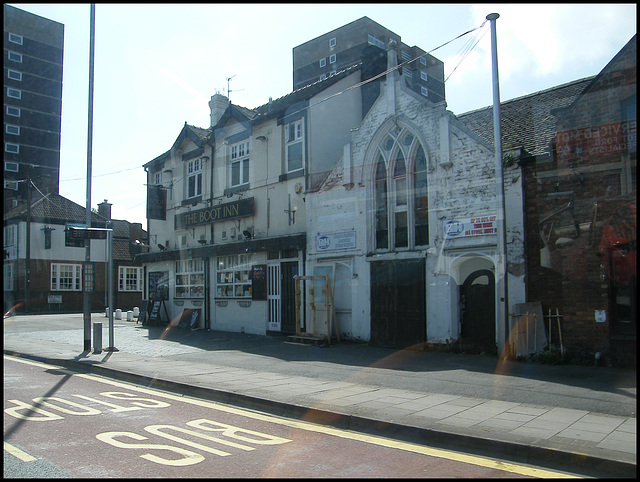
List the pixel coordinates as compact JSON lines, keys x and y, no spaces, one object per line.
{"x":400,"y":191}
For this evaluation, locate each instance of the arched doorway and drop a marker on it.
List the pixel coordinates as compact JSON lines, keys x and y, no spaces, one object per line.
{"x":477,"y":297}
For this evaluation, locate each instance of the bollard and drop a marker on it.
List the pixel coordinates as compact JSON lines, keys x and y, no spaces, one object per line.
{"x":136,"y":312}
{"x":118,"y":314}
{"x":129,"y":315}
{"x":97,"y":337}
{"x":106,"y":312}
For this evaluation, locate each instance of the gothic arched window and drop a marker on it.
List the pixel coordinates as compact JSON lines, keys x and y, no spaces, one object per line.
{"x":401,"y":194}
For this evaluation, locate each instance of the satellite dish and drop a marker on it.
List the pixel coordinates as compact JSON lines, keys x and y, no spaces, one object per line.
{"x":161,"y":247}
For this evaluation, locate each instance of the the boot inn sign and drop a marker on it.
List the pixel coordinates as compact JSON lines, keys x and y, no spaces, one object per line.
{"x":156,"y":209}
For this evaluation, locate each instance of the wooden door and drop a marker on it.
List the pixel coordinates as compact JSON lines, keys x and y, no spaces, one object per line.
{"x":398,"y":303}
{"x":478,"y":333}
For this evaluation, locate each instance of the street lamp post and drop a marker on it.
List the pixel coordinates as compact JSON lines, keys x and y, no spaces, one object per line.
{"x":501,"y":265}
{"x":86,"y":299}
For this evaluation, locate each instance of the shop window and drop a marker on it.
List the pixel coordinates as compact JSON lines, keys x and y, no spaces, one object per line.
{"x":233,"y":276}
{"x":190,"y":278}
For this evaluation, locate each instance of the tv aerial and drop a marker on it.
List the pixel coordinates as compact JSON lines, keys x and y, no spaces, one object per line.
{"x":229,"y":87}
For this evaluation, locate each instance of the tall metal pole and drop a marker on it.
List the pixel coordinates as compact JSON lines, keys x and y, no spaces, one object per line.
{"x":502,"y":290}
{"x":27,"y":264}
{"x":110,"y":268}
{"x":86,"y":298}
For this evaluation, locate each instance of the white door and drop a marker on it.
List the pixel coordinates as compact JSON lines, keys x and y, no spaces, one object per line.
{"x":273,"y":296}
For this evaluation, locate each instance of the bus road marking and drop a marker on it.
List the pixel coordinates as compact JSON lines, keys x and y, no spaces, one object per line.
{"x":312,"y":427}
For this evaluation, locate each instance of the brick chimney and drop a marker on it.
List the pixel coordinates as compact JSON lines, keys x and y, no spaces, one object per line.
{"x":104,"y":210}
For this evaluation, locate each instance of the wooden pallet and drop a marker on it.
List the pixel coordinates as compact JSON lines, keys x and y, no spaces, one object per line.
{"x":308,"y":339}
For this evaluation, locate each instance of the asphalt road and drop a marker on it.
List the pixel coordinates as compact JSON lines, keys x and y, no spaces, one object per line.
{"x":64,"y":424}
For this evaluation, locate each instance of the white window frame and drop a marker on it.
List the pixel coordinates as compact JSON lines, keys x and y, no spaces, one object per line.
{"x":157,"y":178}
{"x":424,"y":91}
{"x":323,"y":62}
{"x":72,"y":283}
{"x":423,"y":60}
{"x":294,"y":135}
{"x":15,"y":38}
{"x":189,"y":279}
{"x":8,"y":277}
{"x":14,"y":57}
{"x":14,"y":93}
{"x":11,"y":148}
{"x":423,"y":75}
{"x":233,"y":276}
{"x":14,"y":75}
{"x":332,"y":59}
{"x":11,"y":185}
{"x":194,"y":171}
{"x":11,"y":166}
{"x":13,"y":111}
{"x":323,"y":76}
{"x":239,"y":160}
{"x":11,"y":129}
{"x":9,"y":238}
{"x":129,"y":279}
{"x":332,"y":42}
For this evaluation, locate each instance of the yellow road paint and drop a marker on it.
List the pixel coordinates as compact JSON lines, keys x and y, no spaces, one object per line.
{"x":312,"y":427}
{"x":16,"y":452}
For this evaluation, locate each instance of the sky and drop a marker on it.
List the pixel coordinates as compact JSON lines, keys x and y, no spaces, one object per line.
{"x":157,"y":66}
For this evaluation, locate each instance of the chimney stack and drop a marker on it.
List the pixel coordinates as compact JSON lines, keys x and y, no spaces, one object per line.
{"x":104,"y":210}
{"x":218,"y":104}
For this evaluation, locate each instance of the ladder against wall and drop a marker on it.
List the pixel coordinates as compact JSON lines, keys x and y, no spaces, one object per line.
{"x":316,"y":330}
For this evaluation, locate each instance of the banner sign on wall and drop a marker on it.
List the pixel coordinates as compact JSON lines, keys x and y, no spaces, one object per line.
{"x":330,"y":242}
{"x":475,"y":226}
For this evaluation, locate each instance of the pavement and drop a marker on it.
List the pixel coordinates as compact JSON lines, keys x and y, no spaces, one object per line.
{"x":579,"y":419}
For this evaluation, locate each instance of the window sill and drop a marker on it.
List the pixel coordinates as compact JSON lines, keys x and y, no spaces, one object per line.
{"x":230,"y":191}
{"x":291,"y":175}
{"x":192,"y":201}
